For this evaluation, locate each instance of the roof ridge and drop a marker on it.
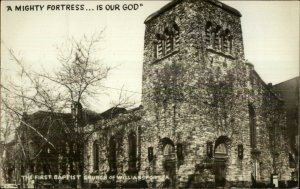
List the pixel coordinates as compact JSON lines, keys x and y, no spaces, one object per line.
{"x":175,"y":2}
{"x":287,"y":80}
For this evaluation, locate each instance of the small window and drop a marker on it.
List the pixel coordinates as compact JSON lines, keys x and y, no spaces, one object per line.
{"x":252,"y":126}
{"x":160,"y":45}
{"x":176,"y":35}
{"x":67,"y":148}
{"x":96,"y":155}
{"x":155,"y":49}
{"x":179,"y":151}
{"x":169,"y":44}
{"x":208,"y":33}
{"x":240,"y":151}
{"x":112,"y":158}
{"x":272,"y":137}
{"x":132,"y":151}
{"x":292,"y":162}
{"x":150,"y":154}
{"x":209,"y":149}
{"x":217,"y":38}
{"x":160,"y":48}
{"x":227,"y":46}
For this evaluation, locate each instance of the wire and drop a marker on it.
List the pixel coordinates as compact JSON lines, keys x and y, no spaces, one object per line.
{"x":121,"y":89}
{"x":101,"y":85}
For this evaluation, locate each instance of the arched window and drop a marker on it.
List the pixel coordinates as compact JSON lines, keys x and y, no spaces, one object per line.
{"x":96,"y":155}
{"x":160,"y":48}
{"x":155,"y":50}
{"x":132,"y":151}
{"x":252,"y":126}
{"x":167,"y":146}
{"x":169,"y":152}
{"x":72,"y":151}
{"x":171,"y":37}
{"x":112,"y":156}
{"x":217,"y":38}
{"x":168,"y":149}
{"x":208,"y":33}
{"x":227,"y":45}
{"x":160,"y":45}
{"x":176,"y":34}
{"x":169,"y":44}
{"x":63,"y":158}
{"x":221,"y":149}
{"x":169,"y":157}
{"x":167,"y":39}
{"x":272,"y":136}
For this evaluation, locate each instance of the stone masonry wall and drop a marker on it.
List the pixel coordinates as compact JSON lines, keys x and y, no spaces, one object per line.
{"x":120,"y":127}
{"x":197,"y":94}
{"x":194,"y":95}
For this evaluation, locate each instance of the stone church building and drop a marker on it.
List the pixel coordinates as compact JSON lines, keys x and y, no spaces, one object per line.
{"x":207,"y":118}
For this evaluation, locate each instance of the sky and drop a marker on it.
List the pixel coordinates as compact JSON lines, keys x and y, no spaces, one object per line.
{"x":270,"y":33}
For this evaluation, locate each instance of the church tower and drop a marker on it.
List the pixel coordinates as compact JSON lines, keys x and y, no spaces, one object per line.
{"x":191,"y":32}
{"x":189,"y":50}
{"x":186,"y":42}
{"x":202,"y":101}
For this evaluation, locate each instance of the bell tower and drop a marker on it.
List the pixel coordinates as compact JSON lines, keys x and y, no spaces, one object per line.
{"x":184,"y":41}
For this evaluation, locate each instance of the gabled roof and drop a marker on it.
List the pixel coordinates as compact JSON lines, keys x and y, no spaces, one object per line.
{"x":115,"y":111}
{"x":175,"y":2}
{"x":292,"y":80}
{"x":112,"y":112}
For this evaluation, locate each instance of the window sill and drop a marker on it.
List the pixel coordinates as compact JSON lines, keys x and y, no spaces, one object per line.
{"x":219,"y":52}
{"x":165,"y":56}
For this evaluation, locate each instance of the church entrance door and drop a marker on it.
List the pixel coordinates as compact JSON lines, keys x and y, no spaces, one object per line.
{"x":221,"y":156}
{"x":220,"y":177}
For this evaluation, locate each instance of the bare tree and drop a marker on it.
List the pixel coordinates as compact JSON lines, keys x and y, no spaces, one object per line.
{"x":79,"y":77}
{"x":81,"y":73}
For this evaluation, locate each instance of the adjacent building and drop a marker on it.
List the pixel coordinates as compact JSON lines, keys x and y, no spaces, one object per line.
{"x":289,"y":92}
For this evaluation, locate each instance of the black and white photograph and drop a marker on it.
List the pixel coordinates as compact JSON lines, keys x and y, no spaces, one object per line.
{"x":149,"y":94}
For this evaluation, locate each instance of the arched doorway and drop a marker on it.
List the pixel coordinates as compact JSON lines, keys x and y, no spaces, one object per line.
{"x":169,"y":162}
{"x":221,"y":156}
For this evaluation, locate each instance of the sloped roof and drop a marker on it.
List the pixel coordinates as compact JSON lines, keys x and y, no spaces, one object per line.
{"x":175,"y":2}
{"x":115,"y":111}
{"x":112,"y":112}
{"x":289,"y":92}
